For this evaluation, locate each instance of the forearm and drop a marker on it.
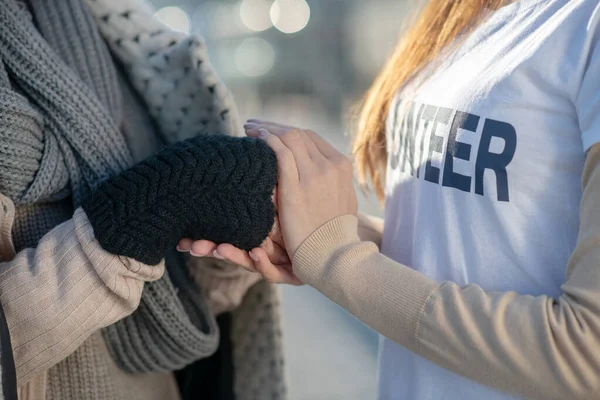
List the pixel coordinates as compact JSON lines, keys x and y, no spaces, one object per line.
{"x":59,"y":293}
{"x":536,"y":347}
{"x":512,"y":342}
{"x":380,"y":292}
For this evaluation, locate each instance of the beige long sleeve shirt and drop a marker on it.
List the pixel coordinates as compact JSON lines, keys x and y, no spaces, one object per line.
{"x":535,"y":347}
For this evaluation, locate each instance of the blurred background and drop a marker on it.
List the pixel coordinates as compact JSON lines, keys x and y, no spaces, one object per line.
{"x":305,"y":63}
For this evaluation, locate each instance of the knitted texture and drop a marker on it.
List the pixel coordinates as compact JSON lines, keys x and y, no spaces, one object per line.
{"x":33,"y":221}
{"x":69,"y":139}
{"x":256,"y":331}
{"x":67,"y":144}
{"x":33,"y":172}
{"x":49,"y":146}
{"x":189,"y":340}
{"x":217,"y":188}
{"x":81,"y":373}
{"x":170,"y":69}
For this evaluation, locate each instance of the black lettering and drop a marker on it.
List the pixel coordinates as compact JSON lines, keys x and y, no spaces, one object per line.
{"x":494,"y":161}
{"x":427,"y":114}
{"x":432,"y":174}
{"x":456,"y":149}
{"x":403,"y":140}
{"x":409,"y":139}
{"x":395,"y":140}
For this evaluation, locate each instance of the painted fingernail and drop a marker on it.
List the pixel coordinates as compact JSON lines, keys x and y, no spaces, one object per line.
{"x":181,"y":250}
{"x":217,"y":255}
{"x":252,"y":256}
{"x":263,"y":132}
{"x":193,"y":253}
{"x":249,"y":125}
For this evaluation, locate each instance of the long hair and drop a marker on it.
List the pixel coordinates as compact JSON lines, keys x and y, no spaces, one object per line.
{"x":438,"y":24}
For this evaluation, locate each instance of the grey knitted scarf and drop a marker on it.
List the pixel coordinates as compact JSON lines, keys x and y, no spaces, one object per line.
{"x":59,"y":137}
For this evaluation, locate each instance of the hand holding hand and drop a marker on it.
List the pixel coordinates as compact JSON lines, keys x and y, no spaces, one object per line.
{"x":208,"y":187}
{"x":315,"y":180}
{"x":272,"y":246}
{"x":315,"y":186}
{"x":272,"y":249}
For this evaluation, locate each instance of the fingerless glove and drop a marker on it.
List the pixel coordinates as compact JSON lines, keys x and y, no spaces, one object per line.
{"x":215,"y":187}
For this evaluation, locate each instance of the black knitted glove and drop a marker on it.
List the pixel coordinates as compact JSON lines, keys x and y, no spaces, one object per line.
{"x":217,"y":188}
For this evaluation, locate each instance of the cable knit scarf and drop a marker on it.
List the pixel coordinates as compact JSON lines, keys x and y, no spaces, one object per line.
{"x":59,"y":137}
{"x":72,"y":129}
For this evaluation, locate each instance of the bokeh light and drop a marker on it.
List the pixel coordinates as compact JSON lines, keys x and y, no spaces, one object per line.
{"x":290,"y":16}
{"x":175,"y":18}
{"x":255,"y":57}
{"x":255,"y":14}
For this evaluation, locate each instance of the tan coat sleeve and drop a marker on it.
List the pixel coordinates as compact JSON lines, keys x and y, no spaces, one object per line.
{"x":56,"y":295}
{"x":535,"y":347}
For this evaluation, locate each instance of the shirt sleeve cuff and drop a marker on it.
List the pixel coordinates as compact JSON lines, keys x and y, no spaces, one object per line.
{"x":384,"y":294}
{"x":322,"y":246}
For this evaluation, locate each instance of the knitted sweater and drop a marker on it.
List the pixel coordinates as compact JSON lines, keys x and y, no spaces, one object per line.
{"x":72,"y":287}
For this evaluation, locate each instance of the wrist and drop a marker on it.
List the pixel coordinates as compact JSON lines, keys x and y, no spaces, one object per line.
{"x":323,"y":245}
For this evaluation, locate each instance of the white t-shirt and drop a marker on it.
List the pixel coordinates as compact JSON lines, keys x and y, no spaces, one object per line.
{"x":484,"y":168}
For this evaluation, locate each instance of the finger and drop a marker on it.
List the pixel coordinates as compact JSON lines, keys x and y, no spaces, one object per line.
{"x":324,"y":147}
{"x":184,"y":245}
{"x":276,"y":235}
{"x":288,"y":171}
{"x":202,"y":248}
{"x":256,"y":121}
{"x":301,"y":146}
{"x":313,"y":151}
{"x":272,"y":273}
{"x":236,"y":256}
{"x":308,"y":157}
{"x":254,"y":124}
{"x":294,"y":138}
{"x":274,"y":200}
{"x":276,"y":253}
{"x":254,"y":130}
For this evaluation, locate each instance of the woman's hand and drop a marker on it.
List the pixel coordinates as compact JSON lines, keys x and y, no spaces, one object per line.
{"x":272,"y":247}
{"x":315,"y":180}
{"x":315,"y":186}
{"x":270,"y":259}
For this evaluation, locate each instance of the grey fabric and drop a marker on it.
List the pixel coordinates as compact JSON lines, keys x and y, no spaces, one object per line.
{"x":61,"y":107}
{"x":184,"y":343}
{"x":80,"y":143}
{"x":32,"y":221}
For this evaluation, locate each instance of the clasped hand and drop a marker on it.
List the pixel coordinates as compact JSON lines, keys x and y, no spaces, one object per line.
{"x":315,"y":186}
